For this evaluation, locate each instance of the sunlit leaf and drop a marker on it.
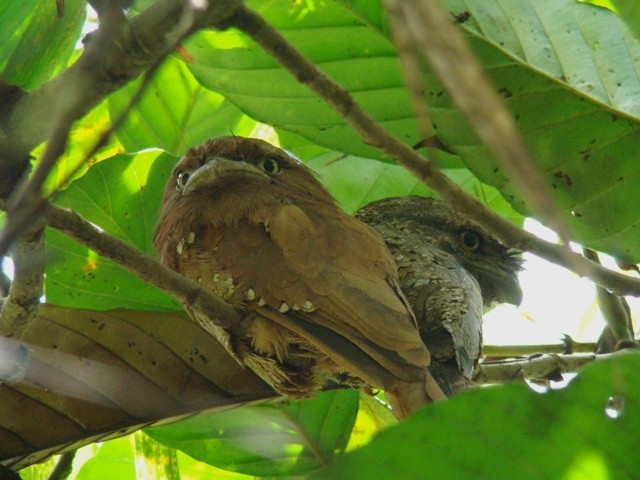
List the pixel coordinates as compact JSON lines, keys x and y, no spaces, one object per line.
{"x":355,"y":182}
{"x":85,"y":134}
{"x":175,"y":112}
{"x":114,"y":460}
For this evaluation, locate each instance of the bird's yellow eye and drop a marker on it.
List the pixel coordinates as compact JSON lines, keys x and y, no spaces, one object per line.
{"x":269,"y":165}
{"x":182,"y":179}
{"x":471,"y":240}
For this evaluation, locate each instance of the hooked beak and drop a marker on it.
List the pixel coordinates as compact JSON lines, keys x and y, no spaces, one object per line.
{"x":218,"y":169}
{"x":508,"y":290}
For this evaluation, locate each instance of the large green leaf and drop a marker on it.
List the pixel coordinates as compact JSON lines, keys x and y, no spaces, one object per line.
{"x":36,"y":42}
{"x":175,"y":112}
{"x":348,"y":50}
{"x":355,"y":181}
{"x":121,"y":195}
{"x":280,"y":439}
{"x":512,"y":432}
{"x":567,"y":70}
{"x":629,"y":12}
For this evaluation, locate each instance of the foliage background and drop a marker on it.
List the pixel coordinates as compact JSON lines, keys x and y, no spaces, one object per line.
{"x":569,"y":73}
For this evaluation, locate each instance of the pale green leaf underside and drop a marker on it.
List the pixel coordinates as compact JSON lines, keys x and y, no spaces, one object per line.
{"x":569,"y":73}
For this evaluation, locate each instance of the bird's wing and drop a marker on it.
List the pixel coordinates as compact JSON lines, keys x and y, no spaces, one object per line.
{"x":339,"y":277}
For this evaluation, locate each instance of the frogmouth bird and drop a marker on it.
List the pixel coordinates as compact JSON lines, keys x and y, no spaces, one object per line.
{"x":318,"y":289}
{"x":451,"y":270}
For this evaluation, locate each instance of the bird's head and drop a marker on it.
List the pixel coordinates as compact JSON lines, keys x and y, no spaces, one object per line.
{"x":227,"y":178}
{"x":493,"y":265}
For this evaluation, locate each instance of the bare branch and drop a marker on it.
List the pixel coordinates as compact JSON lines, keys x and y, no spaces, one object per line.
{"x":615,"y":311}
{"x":374,"y":134}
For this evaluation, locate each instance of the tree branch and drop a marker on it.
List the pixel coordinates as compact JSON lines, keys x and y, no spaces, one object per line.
{"x":26,"y":289}
{"x":27,"y":118}
{"x":374,"y":134}
{"x":568,"y":346}
{"x":147,"y":268}
{"x":63,"y":467}
{"x":537,"y":367}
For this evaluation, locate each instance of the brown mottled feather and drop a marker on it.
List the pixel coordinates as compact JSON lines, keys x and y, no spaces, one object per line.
{"x":319,"y":288}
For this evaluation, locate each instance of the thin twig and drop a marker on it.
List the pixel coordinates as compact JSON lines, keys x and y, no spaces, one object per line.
{"x":374,"y":134}
{"x":569,"y":346}
{"x":144,"y":266}
{"x":5,"y":282}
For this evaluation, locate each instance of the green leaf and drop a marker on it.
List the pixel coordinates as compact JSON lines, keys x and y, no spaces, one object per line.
{"x":39,"y":471}
{"x":629,"y":12}
{"x":354,"y":182}
{"x":191,"y":469}
{"x":175,"y":112}
{"x":154,"y":460}
{"x":350,"y":52}
{"x":513,"y":432}
{"x":281,"y":439}
{"x":36,"y":43}
{"x":114,"y":461}
{"x":85,"y":134}
{"x":567,"y":71}
{"x":372,"y":417}
{"x":121,"y":195}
